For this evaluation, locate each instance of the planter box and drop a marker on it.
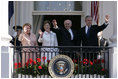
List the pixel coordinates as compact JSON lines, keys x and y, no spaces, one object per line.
{"x":87,"y":76}
{"x":30,"y":76}
{"x":73,"y":76}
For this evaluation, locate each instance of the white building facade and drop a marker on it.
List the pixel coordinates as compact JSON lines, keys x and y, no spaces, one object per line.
{"x":25,"y":11}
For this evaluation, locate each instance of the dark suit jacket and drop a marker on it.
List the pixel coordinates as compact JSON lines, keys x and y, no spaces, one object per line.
{"x":92,"y":40}
{"x":64,"y":37}
{"x":18,"y":43}
{"x":104,"y":42}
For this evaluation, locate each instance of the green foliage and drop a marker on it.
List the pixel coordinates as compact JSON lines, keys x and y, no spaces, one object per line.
{"x":82,"y":67}
{"x":33,"y":70}
{"x":90,"y":69}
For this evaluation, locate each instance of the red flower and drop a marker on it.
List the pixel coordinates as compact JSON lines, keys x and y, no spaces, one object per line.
{"x":102,"y":60}
{"x":85,"y":61}
{"x":91,"y":63}
{"x":15,"y":65}
{"x":43,"y":58}
{"x":81,"y":61}
{"x":98,"y":61}
{"x":48,"y":61}
{"x":95,"y":60}
{"x":19,"y":65}
{"x":38,"y":59}
{"x":102,"y":69}
{"x":74,"y":60}
{"x":30,"y":61}
{"x":39,"y":67}
{"x":34,"y":62}
{"x":27,"y":64}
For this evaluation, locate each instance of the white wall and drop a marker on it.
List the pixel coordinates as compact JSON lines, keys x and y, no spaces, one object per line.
{"x":108,"y":9}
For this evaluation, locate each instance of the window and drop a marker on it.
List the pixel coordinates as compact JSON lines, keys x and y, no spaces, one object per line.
{"x":58,"y":5}
{"x":59,"y":10}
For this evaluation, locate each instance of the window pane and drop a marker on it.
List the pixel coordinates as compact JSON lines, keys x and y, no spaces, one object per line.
{"x":57,"y":5}
{"x":78,"y":5}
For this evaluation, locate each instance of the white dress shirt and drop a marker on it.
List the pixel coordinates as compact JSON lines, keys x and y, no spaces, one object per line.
{"x":86,"y":29}
{"x":71,"y":33}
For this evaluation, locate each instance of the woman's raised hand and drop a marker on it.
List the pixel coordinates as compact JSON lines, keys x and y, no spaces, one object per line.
{"x":40,"y":32}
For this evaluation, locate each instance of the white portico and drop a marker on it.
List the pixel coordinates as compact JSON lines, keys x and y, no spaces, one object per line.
{"x":26,"y":11}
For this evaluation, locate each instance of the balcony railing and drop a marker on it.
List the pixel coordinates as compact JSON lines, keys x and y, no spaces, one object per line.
{"x":32,"y":61}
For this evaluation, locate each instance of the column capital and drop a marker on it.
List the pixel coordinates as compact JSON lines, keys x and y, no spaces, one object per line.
{"x":5,"y":40}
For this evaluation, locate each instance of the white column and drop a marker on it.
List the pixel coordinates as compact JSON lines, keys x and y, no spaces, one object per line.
{"x":24,"y":15}
{"x":113,"y":39}
{"x":25,"y":9}
{"x":4,"y":43}
{"x":113,"y":63}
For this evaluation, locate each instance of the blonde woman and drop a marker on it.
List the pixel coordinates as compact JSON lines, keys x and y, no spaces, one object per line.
{"x":48,"y":38}
{"x":27,"y":39}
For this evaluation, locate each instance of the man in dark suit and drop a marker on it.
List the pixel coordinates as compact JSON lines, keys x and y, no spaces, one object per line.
{"x":16,"y":35}
{"x":66,"y":36}
{"x":88,"y":34}
{"x":56,"y":29}
{"x":15,"y":40}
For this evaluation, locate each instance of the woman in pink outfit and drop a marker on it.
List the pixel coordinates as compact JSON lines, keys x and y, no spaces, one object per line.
{"x":28,"y":39}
